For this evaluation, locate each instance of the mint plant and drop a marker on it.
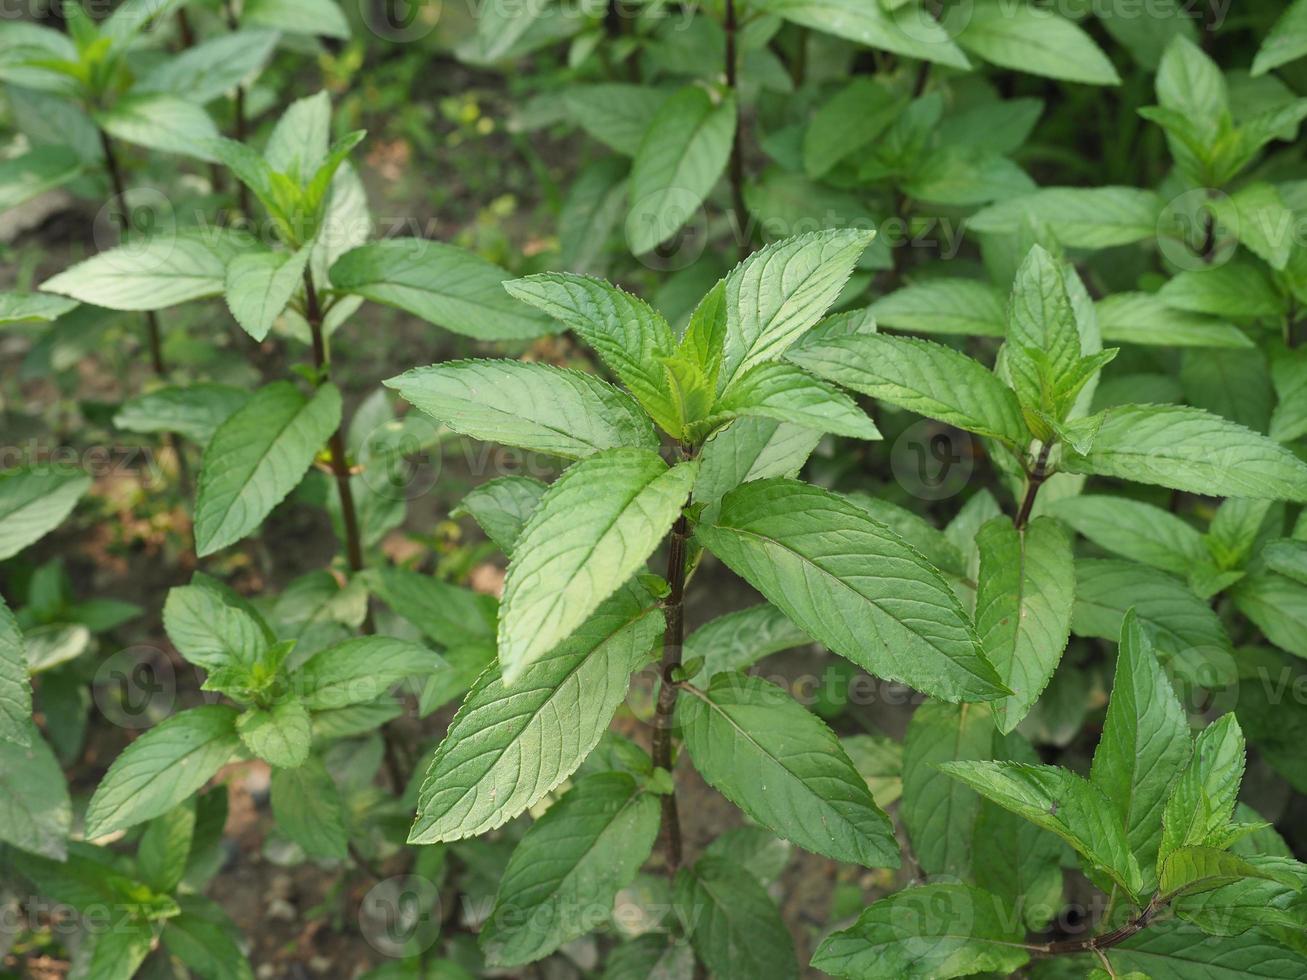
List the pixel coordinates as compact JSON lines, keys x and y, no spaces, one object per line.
{"x":895,"y":567}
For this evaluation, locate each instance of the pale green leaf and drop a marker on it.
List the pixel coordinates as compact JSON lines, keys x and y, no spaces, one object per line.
{"x":151,"y":275}
{"x":1190,"y":449}
{"x":502,"y":507}
{"x":35,"y":813}
{"x":593,"y":530}
{"x":735,"y":928}
{"x":1201,"y":804}
{"x":194,"y":410}
{"x":160,"y":121}
{"x":1032,"y":39}
{"x":629,"y":334}
{"x":531,"y":406}
{"x":1144,"y":744}
{"x":1062,"y":803}
{"x":910,"y":31}
{"x":34,"y":500}
{"x":785,"y":393}
{"x":1287,"y":40}
{"x":1023,"y":608}
{"x":162,"y":768}
{"x":507,"y":747}
{"x":1143,"y":318}
{"x":15,"y":691}
{"x":740,"y":639}
{"x":778,"y":293}
{"x":944,"y":306}
{"x":852,"y":584}
{"x":1135,"y":530}
{"x":940,"y":814}
{"x":257,"y":457}
{"x":444,"y":285}
{"x":927,"y":932}
{"x":260,"y":285}
{"x":279,"y":735}
{"x":784,"y":768}
{"x":923,"y":377}
{"x":584,"y":849}
{"x":359,"y":670}
{"x":308,"y":809}
{"x":680,"y":158}
{"x":1079,"y":217}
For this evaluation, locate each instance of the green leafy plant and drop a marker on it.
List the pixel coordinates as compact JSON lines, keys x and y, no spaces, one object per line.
{"x":896,"y":567}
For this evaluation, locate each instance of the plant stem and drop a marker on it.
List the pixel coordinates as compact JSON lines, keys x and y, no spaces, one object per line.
{"x":673,"y":641}
{"x":120,"y":191}
{"x":238,"y":109}
{"x":1066,"y":947}
{"x":741,"y":215}
{"x":1034,"y":480}
{"x":339,"y":461}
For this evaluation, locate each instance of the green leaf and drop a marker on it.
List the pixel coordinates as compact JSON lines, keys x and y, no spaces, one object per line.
{"x":34,"y":500}
{"x":751,"y":449}
{"x":787,"y":394}
{"x":205,"y":940}
{"x":1143,"y":318}
{"x":847,"y":122}
{"x":586,"y":847}
{"x":1287,"y":557}
{"x":15,"y":690}
{"x":308,"y":809}
{"x":852,"y":584}
{"x":929,"y":931}
{"x":779,"y":293}
{"x":740,"y":639}
{"x":626,"y":332}
{"x":257,"y":457}
{"x":507,"y":747}
{"x":119,"y":952}
{"x":1277,"y":605}
{"x":915,"y":530}
{"x":160,"y":121}
{"x":40,"y":169}
{"x":194,"y":411}
{"x":359,"y":670}
{"x":966,"y":176}
{"x":213,"y":68}
{"x":1173,"y":950}
{"x":165,"y":847}
{"x":1237,"y":289}
{"x":614,"y":113}
{"x":531,"y":406}
{"x":1062,"y":803}
{"x":1286,"y":42}
{"x":1144,"y":744}
{"x":1078,"y":217}
{"x":908,"y":31}
{"x":923,"y":377}
{"x":1134,"y":530}
{"x":1190,"y":449}
{"x":1289,"y":376}
{"x":1188,"y":634}
{"x":502,"y":507}
{"x":1043,"y":346}
{"x":735,"y":928}
{"x":1271,"y":899}
{"x":152,"y":275}
{"x":162,"y":768}
{"x":211,"y":627}
{"x":944,"y":306}
{"x":1259,"y":219}
{"x":680,"y":158}
{"x":940,"y":814}
{"x":1023,"y":608}
{"x":35,"y":813}
{"x":1201,"y":804}
{"x":444,"y":285}
{"x":784,"y":768}
{"x":279,"y":735}
{"x":260,"y":285}
{"x":1034,"y":40}
{"x":447,"y":614}
{"x":318,"y":17}
{"x":1014,"y":859}
{"x":1193,"y":869}
{"x":593,"y":530}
